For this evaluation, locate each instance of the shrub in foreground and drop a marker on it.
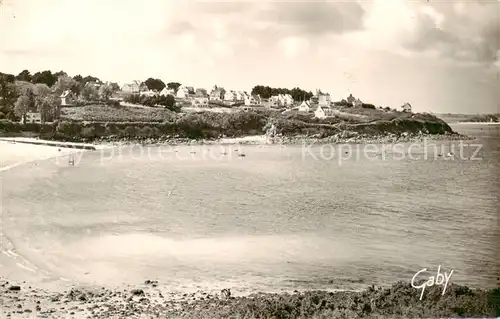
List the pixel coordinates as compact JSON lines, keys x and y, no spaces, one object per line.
{"x":400,"y":300}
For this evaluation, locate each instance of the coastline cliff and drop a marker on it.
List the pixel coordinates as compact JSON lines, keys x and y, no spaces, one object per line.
{"x":211,"y":126}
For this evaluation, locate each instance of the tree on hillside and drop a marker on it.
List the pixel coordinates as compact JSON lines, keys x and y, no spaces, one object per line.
{"x":170,"y":103}
{"x":44,"y":77}
{"x":45,"y":101}
{"x":7,"y":77}
{"x":78,"y":78}
{"x":174,"y":86}
{"x":115,"y":87}
{"x":266,"y":92}
{"x":25,"y":75}
{"x":21,"y":86}
{"x":29,"y":92}
{"x":89,"y":93}
{"x":105,"y":92}
{"x":42,"y":90}
{"x":22,"y":106}
{"x":60,"y":73}
{"x":8,"y":94}
{"x":155,"y":84}
{"x":300,"y":95}
{"x":64,"y":82}
{"x":90,"y":78}
{"x":47,"y":106}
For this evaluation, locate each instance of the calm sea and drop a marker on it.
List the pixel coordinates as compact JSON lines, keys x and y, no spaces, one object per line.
{"x":279,"y":218}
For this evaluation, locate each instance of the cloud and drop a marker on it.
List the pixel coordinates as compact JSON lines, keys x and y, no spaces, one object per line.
{"x":179,"y":27}
{"x":221,"y":7}
{"x":474,"y":37}
{"x":464,"y":31}
{"x":294,"y":46}
{"x":315,"y":18}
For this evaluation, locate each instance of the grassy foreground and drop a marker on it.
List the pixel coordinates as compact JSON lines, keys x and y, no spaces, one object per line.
{"x":153,"y":301}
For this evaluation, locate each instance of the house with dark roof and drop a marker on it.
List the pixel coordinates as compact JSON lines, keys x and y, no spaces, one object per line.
{"x":67,"y":98}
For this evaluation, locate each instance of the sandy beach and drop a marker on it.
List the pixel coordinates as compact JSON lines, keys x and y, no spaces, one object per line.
{"x":15,"y":152}
{"x":14,"y":155}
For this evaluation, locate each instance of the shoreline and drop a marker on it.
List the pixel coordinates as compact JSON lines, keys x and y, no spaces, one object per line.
{"x":477,"y":123}
{"x":151,"y":299}
{"x":292,"y":140}
{"x":24,"y":151}
{"x":340,"y":138}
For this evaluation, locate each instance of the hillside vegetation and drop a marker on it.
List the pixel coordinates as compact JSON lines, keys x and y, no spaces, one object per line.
{"x":116,"y":113}
{"x":94,"y":122}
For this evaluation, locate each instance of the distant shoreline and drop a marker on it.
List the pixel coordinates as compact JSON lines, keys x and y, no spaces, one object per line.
{"x":477,"y":123}
{"x":246,"y":140}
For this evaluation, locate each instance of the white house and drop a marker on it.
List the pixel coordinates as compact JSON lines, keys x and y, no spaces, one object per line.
{"x":324,"y":99}
{"x":406,"y":107}
{"x":272,"y":103}
{"x":230,"y":96}
{"x":351,"y":99}
{"x":305,"y":106}
{"x":134,"y":87}
{"x":357,"y":103}
{"x":166,"y":91}
{"x":67,"y":98}
{"x":149,"y":93}
{"x":184,"y":91}
{"x":282,"y":99}
{"x":32,"y":117}
{"x":241,"y":95}
{"x":286,"y":99}
{"x":200,"y":100}
{"x":253,"y":100}
{"x":323,"y":112}
{"x":217,"y":93}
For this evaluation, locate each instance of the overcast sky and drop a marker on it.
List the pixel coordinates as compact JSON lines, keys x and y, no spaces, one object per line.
{"x":441,"y":56}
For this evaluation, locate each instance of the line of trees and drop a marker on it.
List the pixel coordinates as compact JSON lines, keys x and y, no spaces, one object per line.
{"x":167,"y":101}
{"x":50,"y":79}
{"x":158,"y":85}
{"x":41,"y":92}
{"x":266,"y":92}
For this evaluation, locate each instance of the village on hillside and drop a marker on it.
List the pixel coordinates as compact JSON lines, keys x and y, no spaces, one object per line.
{"x":320,"y":103}
{"x":63,"y":91}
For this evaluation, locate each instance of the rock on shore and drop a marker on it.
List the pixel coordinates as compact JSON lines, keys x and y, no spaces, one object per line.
{"x":344,"y":137}
{"x":151,"y":300}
